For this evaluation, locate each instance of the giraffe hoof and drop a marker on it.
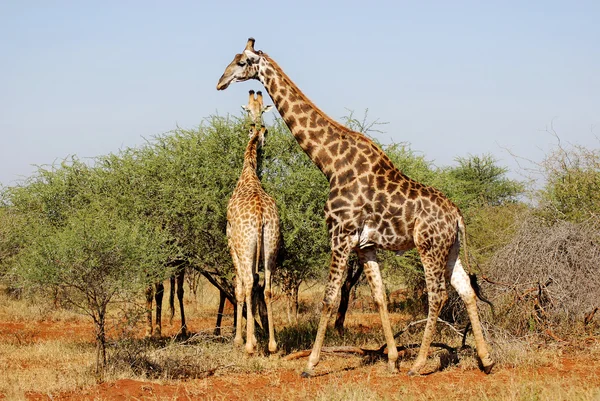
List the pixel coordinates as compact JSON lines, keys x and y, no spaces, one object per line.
{"x":488,"y":369}
{"x":306,"y":375}
{"x":412,"y":373}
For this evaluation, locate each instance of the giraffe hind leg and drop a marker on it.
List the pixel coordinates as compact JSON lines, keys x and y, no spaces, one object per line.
{"x":437,"y":296}
{"x":460,"y":280}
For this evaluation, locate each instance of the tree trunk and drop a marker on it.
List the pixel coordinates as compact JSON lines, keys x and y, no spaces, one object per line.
{"x":100,"y":324}
{"x":351,"y":280}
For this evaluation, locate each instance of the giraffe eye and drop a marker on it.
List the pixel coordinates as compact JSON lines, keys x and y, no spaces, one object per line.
{"x":241,"y":63}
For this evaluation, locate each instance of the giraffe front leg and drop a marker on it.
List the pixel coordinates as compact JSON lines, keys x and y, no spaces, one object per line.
{"x":336,"y":272}
{"x":158,"y":297}
{"x":371,"y":269}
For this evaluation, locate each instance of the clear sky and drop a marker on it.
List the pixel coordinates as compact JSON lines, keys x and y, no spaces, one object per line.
{"x":452,"y":78}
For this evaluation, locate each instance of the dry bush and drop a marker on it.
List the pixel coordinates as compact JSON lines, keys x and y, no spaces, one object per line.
{"x":546,"y":279}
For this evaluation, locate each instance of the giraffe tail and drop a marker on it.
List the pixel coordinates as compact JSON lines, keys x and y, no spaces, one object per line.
{"x":472,"y":276}
{"x":259,"y":244}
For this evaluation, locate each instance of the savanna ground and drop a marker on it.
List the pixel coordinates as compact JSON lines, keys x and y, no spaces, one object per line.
{"x":48,"y":354}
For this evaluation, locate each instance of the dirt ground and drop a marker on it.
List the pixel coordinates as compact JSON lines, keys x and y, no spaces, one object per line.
{"x":573,"y":374}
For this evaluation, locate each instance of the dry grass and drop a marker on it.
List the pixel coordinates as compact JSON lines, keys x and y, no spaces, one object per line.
{"x":50,"y":366}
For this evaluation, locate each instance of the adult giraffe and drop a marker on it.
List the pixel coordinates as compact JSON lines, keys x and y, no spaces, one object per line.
{"x":371,"y":205}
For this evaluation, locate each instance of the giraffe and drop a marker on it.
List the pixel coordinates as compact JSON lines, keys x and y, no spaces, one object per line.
{"x":156,"y":291}
{"x":371,"y":205}
{"x":252,"y":233}
{"x":255,"y":107}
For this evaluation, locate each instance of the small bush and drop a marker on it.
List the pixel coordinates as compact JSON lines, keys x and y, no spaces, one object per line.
{"x":547,"y":278}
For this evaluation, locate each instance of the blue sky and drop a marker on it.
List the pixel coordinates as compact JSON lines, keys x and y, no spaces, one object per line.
{"x":451,"y":78}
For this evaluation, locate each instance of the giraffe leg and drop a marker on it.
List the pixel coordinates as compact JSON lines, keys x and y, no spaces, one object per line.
{"x":240,"y":298}
{"x":250,"y":338}
{"x":336,"y":272}
{"x":180,"y":292}
{"x":437,"y":296}
{"x":158,"y":297}
{"x":371,"y":268}
{"x":459,"y":279}
{"x":270,"y":257}
{"x":149,"y":298}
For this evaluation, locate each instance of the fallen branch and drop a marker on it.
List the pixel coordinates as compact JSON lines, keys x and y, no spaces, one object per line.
{"x":373,"y":354}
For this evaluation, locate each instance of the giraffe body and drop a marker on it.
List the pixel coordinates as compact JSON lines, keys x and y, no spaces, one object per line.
{"x":371,"y":205}
{"x":253,"y":233}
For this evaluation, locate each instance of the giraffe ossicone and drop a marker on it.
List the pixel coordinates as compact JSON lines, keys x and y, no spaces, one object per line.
{"x":371,"y":205}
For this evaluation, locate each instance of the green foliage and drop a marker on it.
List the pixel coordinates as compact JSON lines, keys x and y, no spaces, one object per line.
{"x":572,"y":189}
{"x":92,"y":258}
{"x":300,"y":191}
{"x":478,"y":181}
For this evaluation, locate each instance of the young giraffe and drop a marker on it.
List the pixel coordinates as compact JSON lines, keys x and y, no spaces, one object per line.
{"x":371,"y":205}
{"x":252,"y":232}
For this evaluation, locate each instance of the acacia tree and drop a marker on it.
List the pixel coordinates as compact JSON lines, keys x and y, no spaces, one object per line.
{"x":81,"y":251}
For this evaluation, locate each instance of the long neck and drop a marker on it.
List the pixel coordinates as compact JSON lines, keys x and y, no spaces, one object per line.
{"x":250,"y":157}
{"x":317,"y":134}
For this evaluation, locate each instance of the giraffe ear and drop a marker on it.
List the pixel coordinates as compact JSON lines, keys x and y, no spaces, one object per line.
{"x":268,"y":108}
{"x":245,"y":107}
{"x":251,"y":56}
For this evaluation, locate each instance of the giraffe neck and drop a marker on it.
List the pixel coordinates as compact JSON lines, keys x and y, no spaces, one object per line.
{"x":317,"y":134}
{"x":251,"y":157}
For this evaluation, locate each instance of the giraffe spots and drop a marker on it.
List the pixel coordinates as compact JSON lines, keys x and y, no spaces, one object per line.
{"x":284,"y":107}
{"x":365,"y":181}
{"x":273,"y":88}
{"x":380,"y":182}
{"x":381,"y":200}
{"x":334,"y":148}
{"x":305,"y":107}
{"x":351,"y":156}
{"x":313,"y":119}
{"x":269,"y":72}
{"x":346,"y":176}
{"x":324,"y":158}
{"x":397,"y":198}
{"x":296,"y":108}
{"x":340,"y":163}
{"x":302,"y":120}
{"x":409,"y":210}
{"x":413,"y":193}
{"x":343,"y":147}
{"x":283,"y":92}
{"x":291,"y":121}
{"x":315,"y":136}
{"x":338,"y":203}
{"x":349,"y":191}
{"x":361,"y":164}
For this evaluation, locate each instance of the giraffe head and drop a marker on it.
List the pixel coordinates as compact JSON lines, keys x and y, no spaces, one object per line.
{"x":259,"y":133}
{"x":243,"y":67}
{"x":255,"y":107}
